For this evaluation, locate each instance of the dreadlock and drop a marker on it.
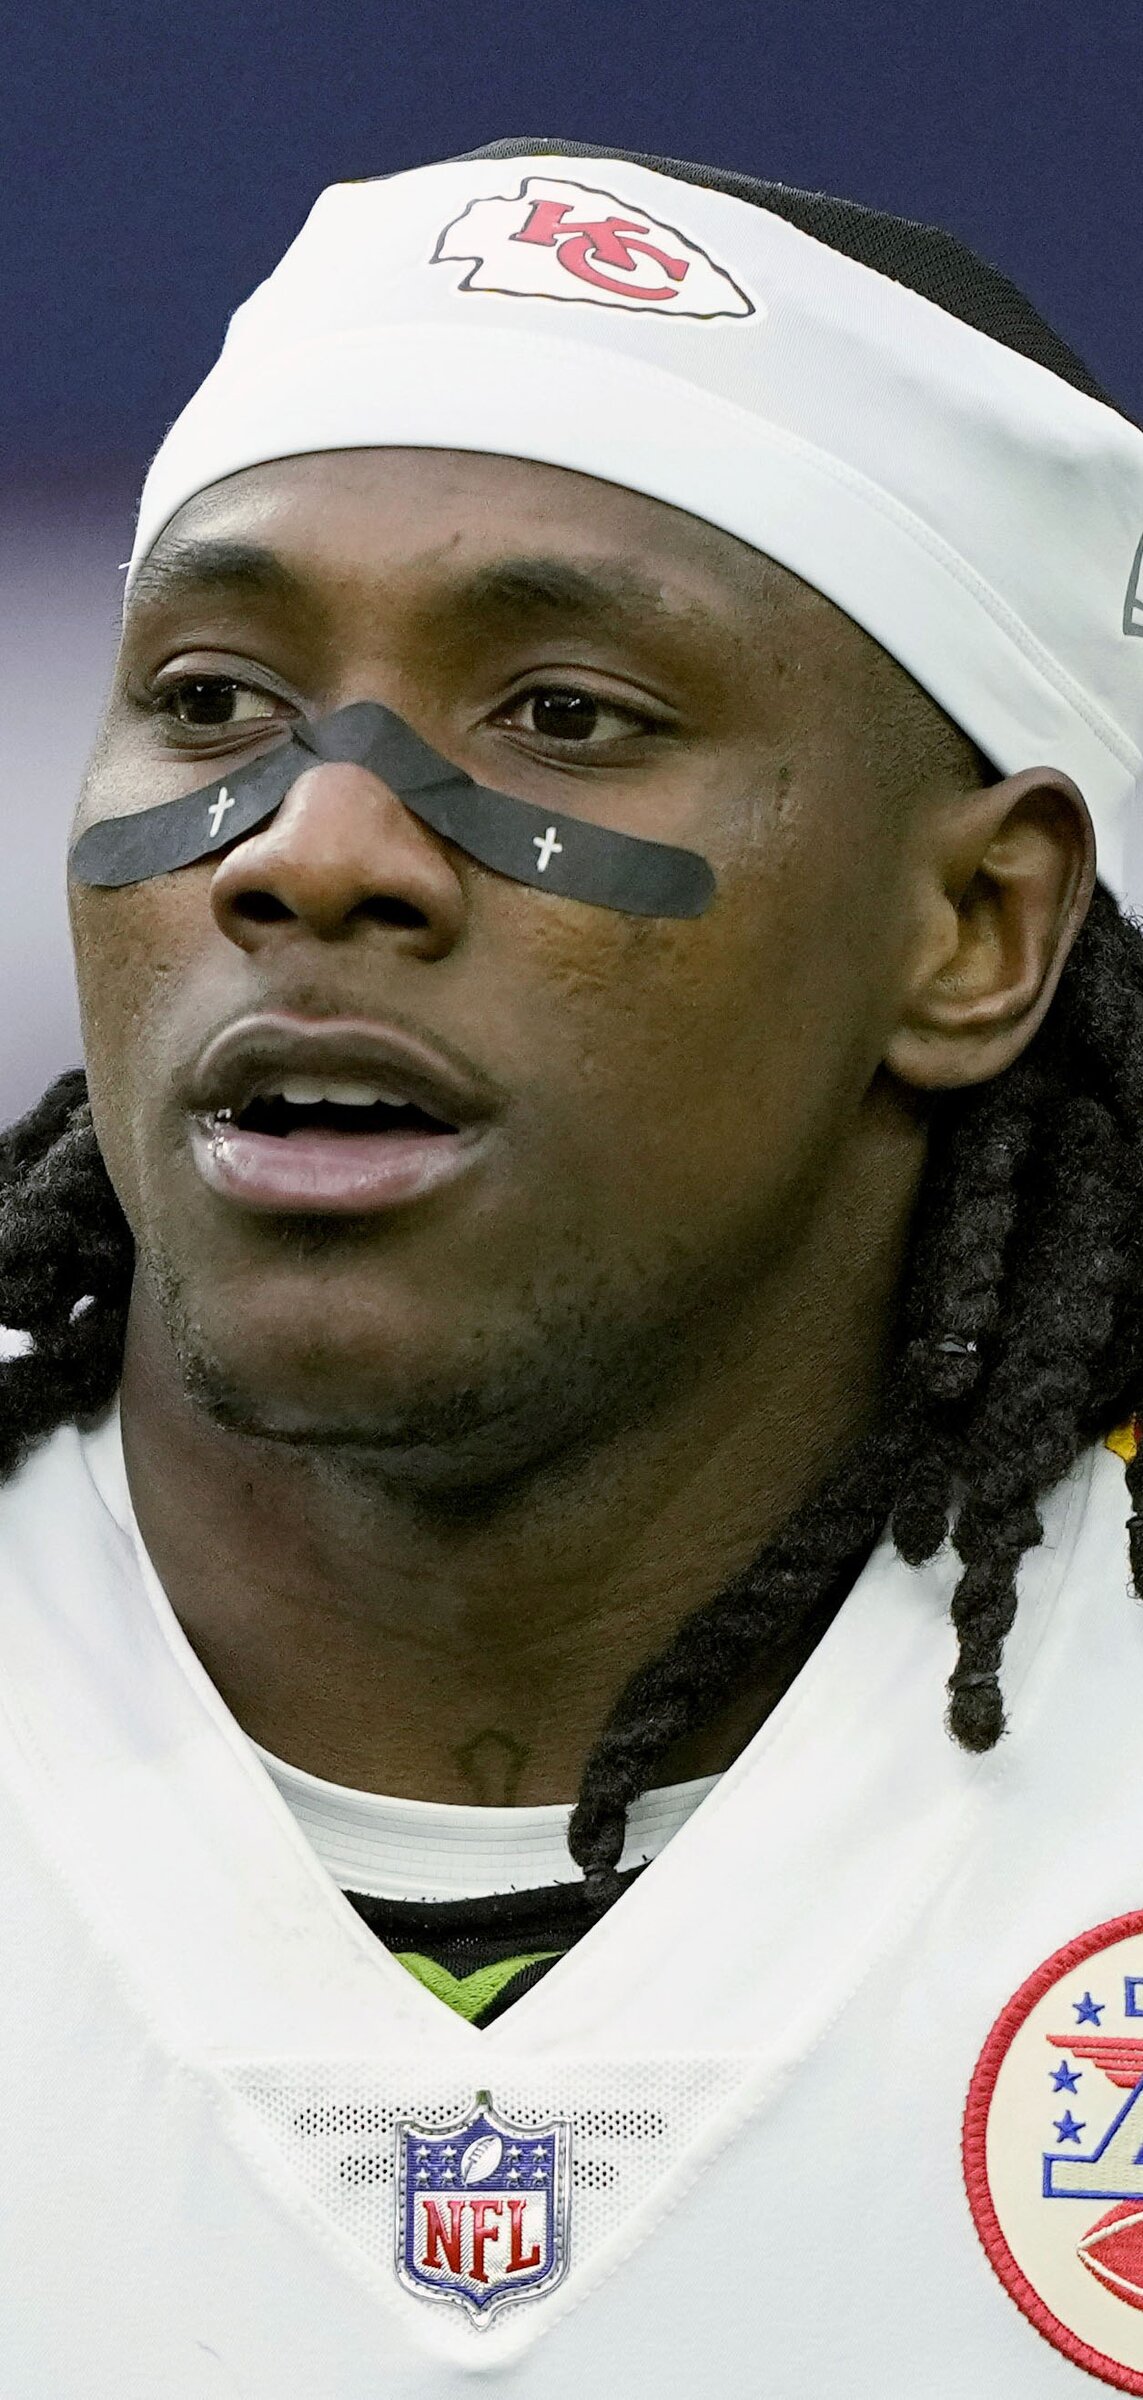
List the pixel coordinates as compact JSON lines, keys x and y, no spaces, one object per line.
{"x":1019,"y":1339}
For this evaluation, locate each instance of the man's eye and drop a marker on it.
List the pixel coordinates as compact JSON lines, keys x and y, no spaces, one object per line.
{"x":561,"y":715}
{"x":214,"y":700}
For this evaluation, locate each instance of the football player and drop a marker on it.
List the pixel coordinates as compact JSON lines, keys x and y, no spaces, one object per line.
{"x":570,"y":1668}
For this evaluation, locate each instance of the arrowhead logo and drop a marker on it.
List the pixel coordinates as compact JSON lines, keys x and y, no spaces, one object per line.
{"x":555,"y":240}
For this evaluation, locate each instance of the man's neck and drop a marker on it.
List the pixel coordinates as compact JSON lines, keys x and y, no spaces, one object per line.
{"x":474,"y":1656}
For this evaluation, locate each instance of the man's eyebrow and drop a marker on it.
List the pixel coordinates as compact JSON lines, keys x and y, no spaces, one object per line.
{"x":523,"y":586}
{"x":507,"y":591}
{"x":187,"y":565}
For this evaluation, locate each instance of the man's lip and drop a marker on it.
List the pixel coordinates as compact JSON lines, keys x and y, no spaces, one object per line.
{"x":251,"y":1056}
{"x":328,"y":1174}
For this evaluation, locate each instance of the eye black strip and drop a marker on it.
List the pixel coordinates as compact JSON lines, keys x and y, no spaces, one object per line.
{"x":538,"y":846}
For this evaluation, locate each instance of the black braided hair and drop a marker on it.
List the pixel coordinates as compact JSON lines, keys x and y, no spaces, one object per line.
{"x":1019,"y":1340}
{"x":66,"y":1263}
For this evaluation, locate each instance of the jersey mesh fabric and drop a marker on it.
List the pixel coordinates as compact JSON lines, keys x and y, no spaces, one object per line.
{"x":631,"y":2120}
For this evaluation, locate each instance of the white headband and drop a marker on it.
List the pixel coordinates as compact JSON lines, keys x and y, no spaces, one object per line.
{"x":978,"y":515}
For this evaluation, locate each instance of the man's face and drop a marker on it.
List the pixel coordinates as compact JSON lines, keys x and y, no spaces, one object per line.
{"x":655,"y":1111}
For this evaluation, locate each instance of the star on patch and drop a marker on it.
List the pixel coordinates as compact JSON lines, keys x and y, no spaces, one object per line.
{"x":1066,"y":2079}
{"x":1088,"y":2011}
{"x":1068,"y":2128}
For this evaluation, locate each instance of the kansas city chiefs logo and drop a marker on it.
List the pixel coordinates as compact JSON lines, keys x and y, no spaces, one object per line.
{"x":555,"y":240}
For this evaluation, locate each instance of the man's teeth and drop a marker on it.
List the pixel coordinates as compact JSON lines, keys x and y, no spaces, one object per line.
{"x":305,"y":1091}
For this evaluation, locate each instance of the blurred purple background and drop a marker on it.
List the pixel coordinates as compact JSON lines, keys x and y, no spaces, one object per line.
{"x":157,"y":163}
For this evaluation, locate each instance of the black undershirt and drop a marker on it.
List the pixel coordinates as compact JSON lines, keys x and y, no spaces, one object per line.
{"x":465,"y":1940}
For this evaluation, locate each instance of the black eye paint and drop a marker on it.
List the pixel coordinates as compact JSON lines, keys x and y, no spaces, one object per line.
{"x":576,"y":859}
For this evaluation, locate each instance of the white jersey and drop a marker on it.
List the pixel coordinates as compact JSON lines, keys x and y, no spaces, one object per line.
{"x":717,"y":2149}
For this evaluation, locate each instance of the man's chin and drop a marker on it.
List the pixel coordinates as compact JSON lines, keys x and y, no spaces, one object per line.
{"x":325,"y":1380}
{"x":434,"y":1407}
{"x":325,"y":1403}
{"x":461,"y":1446}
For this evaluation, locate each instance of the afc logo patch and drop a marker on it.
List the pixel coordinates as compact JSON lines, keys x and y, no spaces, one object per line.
{"x":556,"y":240}
{"x":1053,"y":2151}
{"x":483,"y":2209}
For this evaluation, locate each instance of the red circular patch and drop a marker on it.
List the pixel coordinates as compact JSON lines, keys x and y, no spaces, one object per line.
{"x":1070,"y":2043}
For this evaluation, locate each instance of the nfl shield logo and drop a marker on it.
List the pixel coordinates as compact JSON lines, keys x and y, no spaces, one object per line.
{"x":483,"y":2209}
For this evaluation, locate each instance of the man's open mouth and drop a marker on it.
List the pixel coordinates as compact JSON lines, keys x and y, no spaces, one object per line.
{"x":305,"y":1105}
{"x":330,"y":1117}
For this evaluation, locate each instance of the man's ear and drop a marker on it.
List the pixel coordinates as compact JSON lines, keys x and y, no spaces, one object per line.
{"x":1002,"y":880}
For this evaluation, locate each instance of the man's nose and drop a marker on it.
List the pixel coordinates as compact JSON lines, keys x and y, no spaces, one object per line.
{"x":342,"y":853}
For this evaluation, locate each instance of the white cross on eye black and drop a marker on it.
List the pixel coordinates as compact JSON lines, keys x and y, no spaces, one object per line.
{"x":217,"y":811}
{"x":548,"y":848}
